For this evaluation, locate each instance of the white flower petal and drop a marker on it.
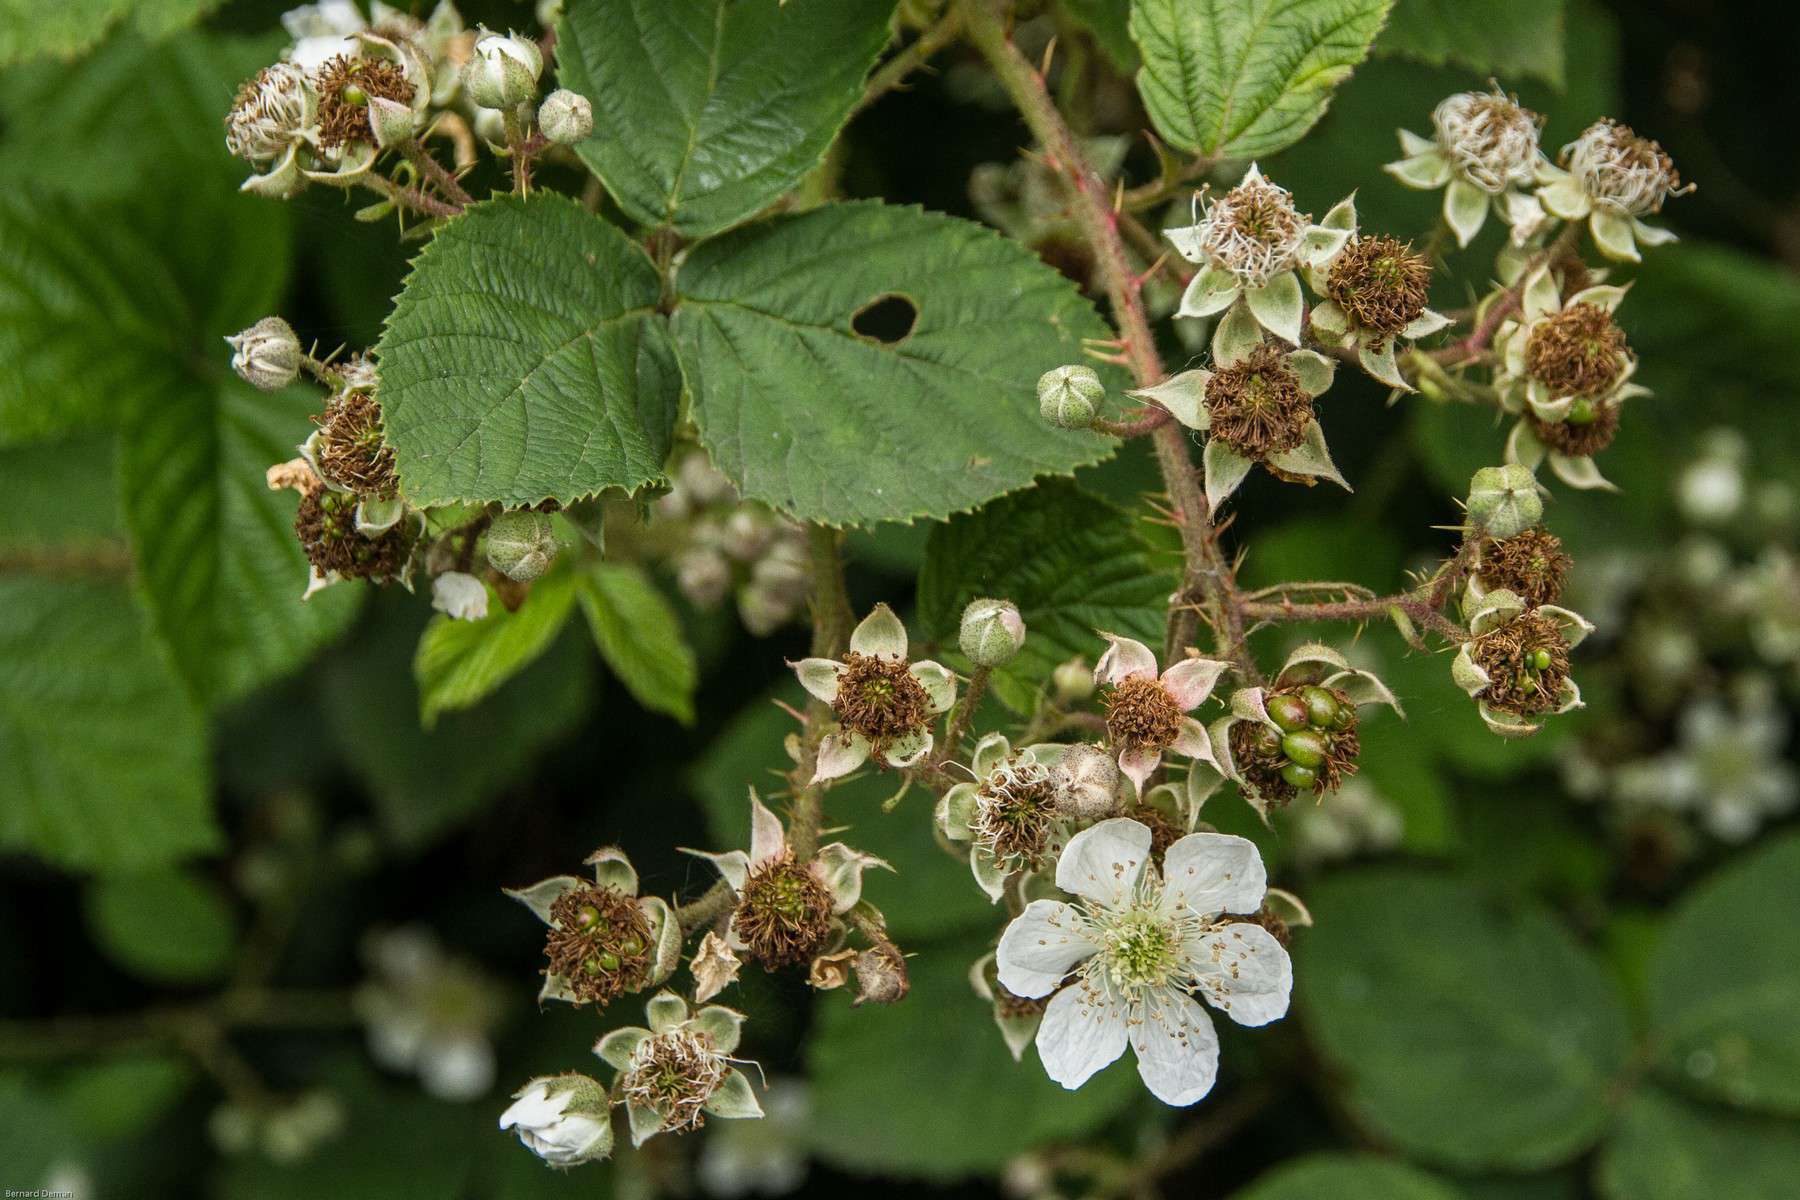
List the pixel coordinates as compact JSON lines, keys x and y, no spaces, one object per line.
{"x":1192,"y":680}
{"x":907,"y":749}
{"x":1244,"y":973}
{"x":1124,"y":659}
{"x":1083,"y":1031}
{"x":881,"y":635}
{"x":1102,"y":863}
{"x":1138,"y":763}
{"x":1040,"y":947}
{"x":939,"y":683}
{"x":767,"y":841}
{"x":1213,"y":873}
{"x":1177,"y":1049}
{"x":839,"y":754}
{"x":819,"y":676}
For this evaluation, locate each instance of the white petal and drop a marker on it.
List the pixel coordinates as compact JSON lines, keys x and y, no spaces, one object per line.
{"x":839,"y":754}
{"x":1102,"y":862}
{"x":907,"y":749}
{"x":992,"y":750}
{"x":881,"y":635}
{"x":1040,"y":947}
{"x":1124,"y":659}
{"x":939,"y":683}
{"x":1244,"y":973}
{"x":1213,"y":873}
{"x":1192,"y":680}
{"x":767,"y":841}
{"x":1082,"y":1032}
{"x":819,"y":676}
{"x":1138,"y":763}
{"x":1225,"y":469}
{"x":1177,"y":1050}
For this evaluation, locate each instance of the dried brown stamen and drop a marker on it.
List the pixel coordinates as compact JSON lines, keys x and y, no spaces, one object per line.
{"x":599,"y":943}
{"x":1163,"y":832}
{"x":675,"y":1074}
{"x":785,"y":913}
{"x":351,"y":451}
{"x":1577,"y":352}
{"x":1585,"y":433}
{"x":1531,"y":564}
{"x":1527,"y":663}
{"x":1015,"y":807}
{"x":1380,"y":283}
{"x":1271,"y":920}
{"x":1011,"y":1004}
{"x":326,"y":526}
{"x":345,"y":86}
{"x":879,"y":698}
{"x":1257,"y":405}
{"x":1141,"y":715}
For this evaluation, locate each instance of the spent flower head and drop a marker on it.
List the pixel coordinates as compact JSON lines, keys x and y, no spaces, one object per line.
{"x":1612,"y":178}
{"x":1516,"y":662}
{"x":678,"y":1071}
{"x":603,"y":939}
{"x":883,"y":702}
{"x":1483,"y":152}
{"x":1147,"y":712}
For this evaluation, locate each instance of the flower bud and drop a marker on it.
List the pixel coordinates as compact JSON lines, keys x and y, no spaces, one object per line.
{"x":461,"y":595}
{"x":566,"y":118}
{"x":504,"y":71}
{"x":992,"y":632}
{"x":267,"y":354}
{"x":521,"y":545}
{"x":1072,"y":683}
{"x":881,"y":976}
{"x":563,"y":1119}
{"x":1504,"y":500}
{"x":1069,"y":396}
{"x":1087,"y":783}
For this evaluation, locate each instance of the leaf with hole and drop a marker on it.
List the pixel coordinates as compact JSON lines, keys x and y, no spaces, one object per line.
{"x":525,"y":361}
{"x":912,"y":418}
{"x":708,"y":111}
{"x":1242,"y":78}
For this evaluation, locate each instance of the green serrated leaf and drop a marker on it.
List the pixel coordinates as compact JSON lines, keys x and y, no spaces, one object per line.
{"x":807,"y":414}
{"x":112,"y":133}
{"x":220,"y":568}
{"x":29,"y":29}
{"x":460,"y":662}
{"x":1665,"y":1148}
{"x":1072,"y":562}
{"x":640,"y":637}
{"x":707,"y":111}
{"x":1507,"y":38}
{"x":1241,"y":78}
{"x":525,"y":361}
{"x":167,"y":926}
{"x":103,"y":759}
{"x":871,"y":1115}
{"x":1346,"y":1177}
{"x":1724,"y":981}
{"x":1466,"y":1035}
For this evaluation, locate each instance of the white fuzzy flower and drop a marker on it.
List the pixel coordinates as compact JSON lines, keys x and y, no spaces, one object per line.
{"x":462,"y":596}
{"x":504,"y":71}
{"x":562,"y":1119}
{"x":1124,"y":961}
{"x":1612,"y":177}
{"x":322,"y":32}
{"x":883,"y":702}
{"x":1484,"y":151}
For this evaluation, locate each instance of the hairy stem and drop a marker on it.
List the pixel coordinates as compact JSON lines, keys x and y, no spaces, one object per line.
{"x":1207,"y":578}
{"x":432,"y":169}
{"x":410,"y":197}
{"x":829,"y":606}
{"x":892,"y":73}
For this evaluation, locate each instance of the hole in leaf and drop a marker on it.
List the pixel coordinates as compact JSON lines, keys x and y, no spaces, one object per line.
{"x":886,"y":319}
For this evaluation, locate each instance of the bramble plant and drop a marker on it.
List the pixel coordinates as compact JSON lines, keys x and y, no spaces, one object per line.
{"x":648,"y":360}
{"x":524,"y":312}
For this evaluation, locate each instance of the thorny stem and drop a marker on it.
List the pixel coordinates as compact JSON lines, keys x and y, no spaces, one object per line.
{"x":1207,"y":579}
{"x":1482,"y":335}
{"x":894,"y":71}
{"x":961,"y":715}
{"x":521,"y":159}
{"x":410,"y":197}
{"x":435,"y":171}
{"x":1149,"y":420}
{"x":1423,"y":604}
{"x":830,"y":608}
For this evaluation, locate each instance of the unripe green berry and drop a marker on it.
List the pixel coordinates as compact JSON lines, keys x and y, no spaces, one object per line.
{"x":1289,"y":712}
{"x":1298,"y":776}
{"x":1068,"y":397}
{"x":1582,"y":412}
{"x":1305,"y":748}
{"x":1541,"y":659}
{"x":1322,"y":708}
{"x":521,"y":545}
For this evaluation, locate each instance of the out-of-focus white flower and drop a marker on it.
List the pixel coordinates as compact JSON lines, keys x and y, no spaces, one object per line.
{"x":760,"y":1158}
{"x":321,"y":32}
{"x":1121,"y":963}
{"x":428,"y":1014}
{"x":1359,"y":820}
{"x":462,"y":596}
